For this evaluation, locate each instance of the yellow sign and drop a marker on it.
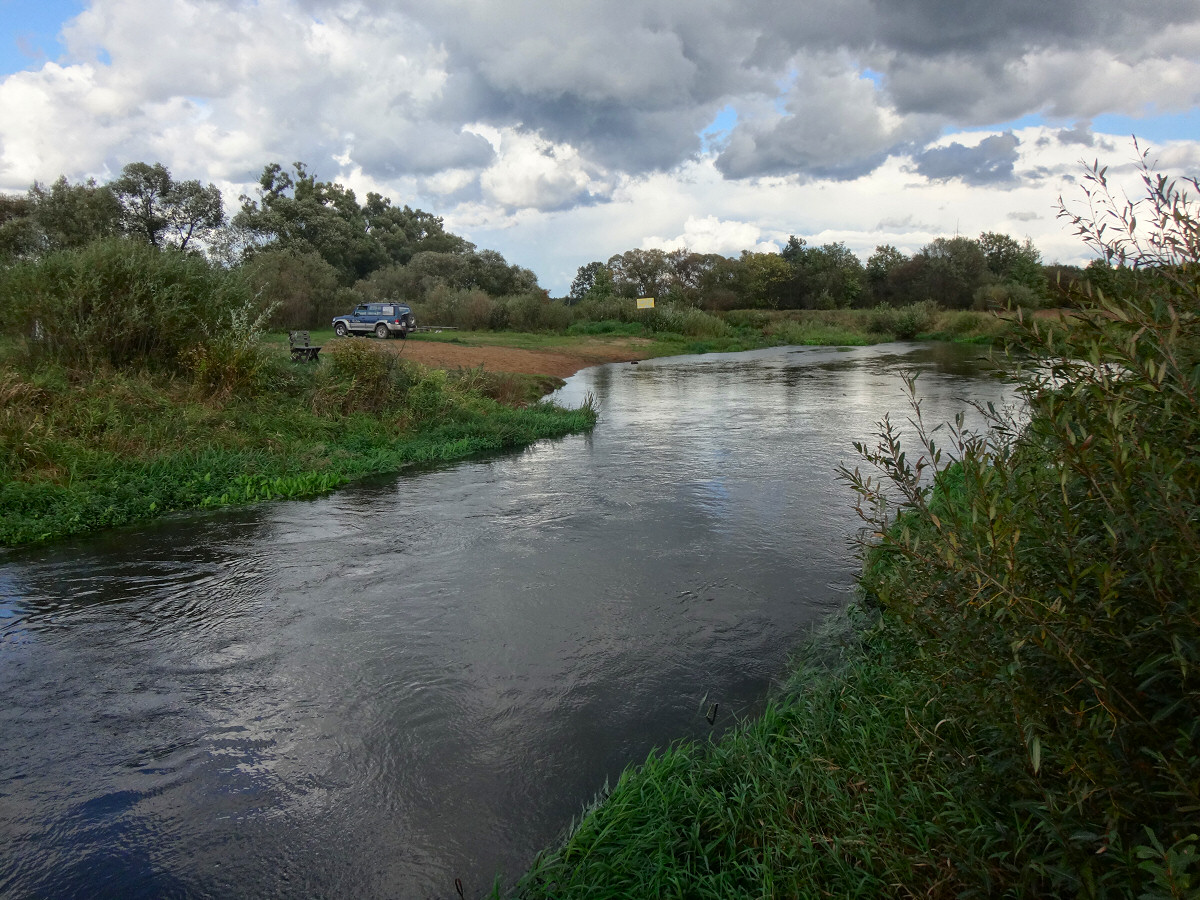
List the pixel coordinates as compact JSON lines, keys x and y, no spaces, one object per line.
{"x":645,"y":303}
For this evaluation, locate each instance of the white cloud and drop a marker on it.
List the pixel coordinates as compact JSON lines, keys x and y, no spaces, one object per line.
{"x":708,"y":234}
{"x":533,"y":173}
{"x":565,"y":134}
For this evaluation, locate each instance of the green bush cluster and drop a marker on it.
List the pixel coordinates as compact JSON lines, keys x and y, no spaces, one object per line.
{"x":117,"y":302}
{"x":1050,"y":578}
{"x":475,"y":310}
{"x":904,"y":322}
{"x":684,"y":320}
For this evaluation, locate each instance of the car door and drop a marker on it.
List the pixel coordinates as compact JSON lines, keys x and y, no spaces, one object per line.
{"x":360,"y":320}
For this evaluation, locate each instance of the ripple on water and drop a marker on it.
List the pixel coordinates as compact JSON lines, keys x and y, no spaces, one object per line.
{"x":422,"y":678}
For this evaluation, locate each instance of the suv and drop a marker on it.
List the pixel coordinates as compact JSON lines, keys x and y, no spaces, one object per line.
{"x":385,"y":319}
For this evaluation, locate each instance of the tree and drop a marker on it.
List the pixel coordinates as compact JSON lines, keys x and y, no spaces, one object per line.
{"x":163,"y":211}
{"x":954,"y":269}
{"x":63,"y":216}
{"x":687,"y":274}
{"x":18,"y":238}
{"x":640,"y":273}
{"x":402,"y":232}
{"x":1012,"y":261}
{"x":765,"y":277}
{"x":722,"y":283}
{"x":793,"y":251}
{"x":585,"y":280}
{"x":301,"y":288}
{"x":831,"y":276}
{"x":194,"y":213}
{"x":882,"y":263}
{"x":297,"y":212}
{"x":68,"y":216}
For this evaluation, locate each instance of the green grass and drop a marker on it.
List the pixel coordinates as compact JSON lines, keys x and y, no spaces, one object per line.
{"x":856,"y":781}
{"x":850,"y":784}
{"x":82,"y":452}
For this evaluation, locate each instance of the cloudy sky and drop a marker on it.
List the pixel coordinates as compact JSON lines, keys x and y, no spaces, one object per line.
{"x":558,"y":133}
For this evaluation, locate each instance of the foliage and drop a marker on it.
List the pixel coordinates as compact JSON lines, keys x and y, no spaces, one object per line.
{"x":360,"y":376}
{"x":683,"y":320}
{"x":302,"y":288}
{"x":116,"y":302}
{"x":904,"y":322}
{"x":63,"y":216}
{"x":585,"y":280}
{"x":233,"y":359}
{"x":1052,"y":598}
{"x":851,"y":783}
{"x":165,"y":212}
{"x":295,"y":212}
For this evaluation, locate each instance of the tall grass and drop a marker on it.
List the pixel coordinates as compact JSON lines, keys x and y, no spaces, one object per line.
{"x":851,"y":783}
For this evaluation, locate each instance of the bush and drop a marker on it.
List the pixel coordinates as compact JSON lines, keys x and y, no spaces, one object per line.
{"x":475,"y":311}
{"x":535,"y":312}
{"x":684,"y":320}
{"x":756,"y":319}
{"x":234,"y":360}
{"x":118,"y":303}
{"x":303,"y":288}
{"x":361,"y":376}
{"x":904,"y":322}
{"x":1053,"y":595}
{"x":1006,"y":296}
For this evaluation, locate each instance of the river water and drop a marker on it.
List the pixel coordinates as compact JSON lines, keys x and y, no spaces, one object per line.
{"x":425,"y":677}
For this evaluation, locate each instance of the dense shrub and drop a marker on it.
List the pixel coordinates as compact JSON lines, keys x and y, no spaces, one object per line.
{"x":684,"y":320}
{"x":904,"y":322}
{"x":1007,"y":296}
{"x":118,"y":303}
{"x":302,"y":287}
{"x":1054,"y":594}
{"x":360,"y":376}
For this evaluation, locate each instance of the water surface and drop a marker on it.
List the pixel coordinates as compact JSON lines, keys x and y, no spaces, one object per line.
{"x":423,"y":678}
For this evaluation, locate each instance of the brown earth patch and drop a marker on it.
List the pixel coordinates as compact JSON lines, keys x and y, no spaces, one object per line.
{"x":559,"y":363}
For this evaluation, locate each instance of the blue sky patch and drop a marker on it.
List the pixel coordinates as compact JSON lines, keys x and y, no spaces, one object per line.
{"x":31,"y":32}
{"x":1154,"y":128}
{"x":718,"y":129}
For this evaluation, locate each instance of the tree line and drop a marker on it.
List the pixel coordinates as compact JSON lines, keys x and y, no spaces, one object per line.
{"x":993,"y":270}
{"x":310,"y":249}
{"x":307,"y":247}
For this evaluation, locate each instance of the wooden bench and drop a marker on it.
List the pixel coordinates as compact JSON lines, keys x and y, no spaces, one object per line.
{"x":303,"y":350}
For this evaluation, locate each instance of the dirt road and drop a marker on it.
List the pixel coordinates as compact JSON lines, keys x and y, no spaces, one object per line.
{"x":560,"y":363}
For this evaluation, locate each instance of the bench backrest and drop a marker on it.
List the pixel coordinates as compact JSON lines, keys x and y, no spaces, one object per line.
{"x":298,"y":339}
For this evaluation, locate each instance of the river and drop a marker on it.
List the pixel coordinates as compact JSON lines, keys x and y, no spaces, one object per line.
{"x":424,"y":678}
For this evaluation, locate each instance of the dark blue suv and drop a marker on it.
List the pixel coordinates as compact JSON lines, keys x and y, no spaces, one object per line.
{"x":384,"y":319}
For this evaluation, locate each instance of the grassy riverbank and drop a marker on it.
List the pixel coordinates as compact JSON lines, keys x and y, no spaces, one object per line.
{"x":90,"y":442}
{"x":85,"y":451}
{"x":852,"y":783}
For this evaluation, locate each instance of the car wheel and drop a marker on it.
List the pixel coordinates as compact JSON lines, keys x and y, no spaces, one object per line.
{"x":340,"y":329}
{"x":381,"y":330}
